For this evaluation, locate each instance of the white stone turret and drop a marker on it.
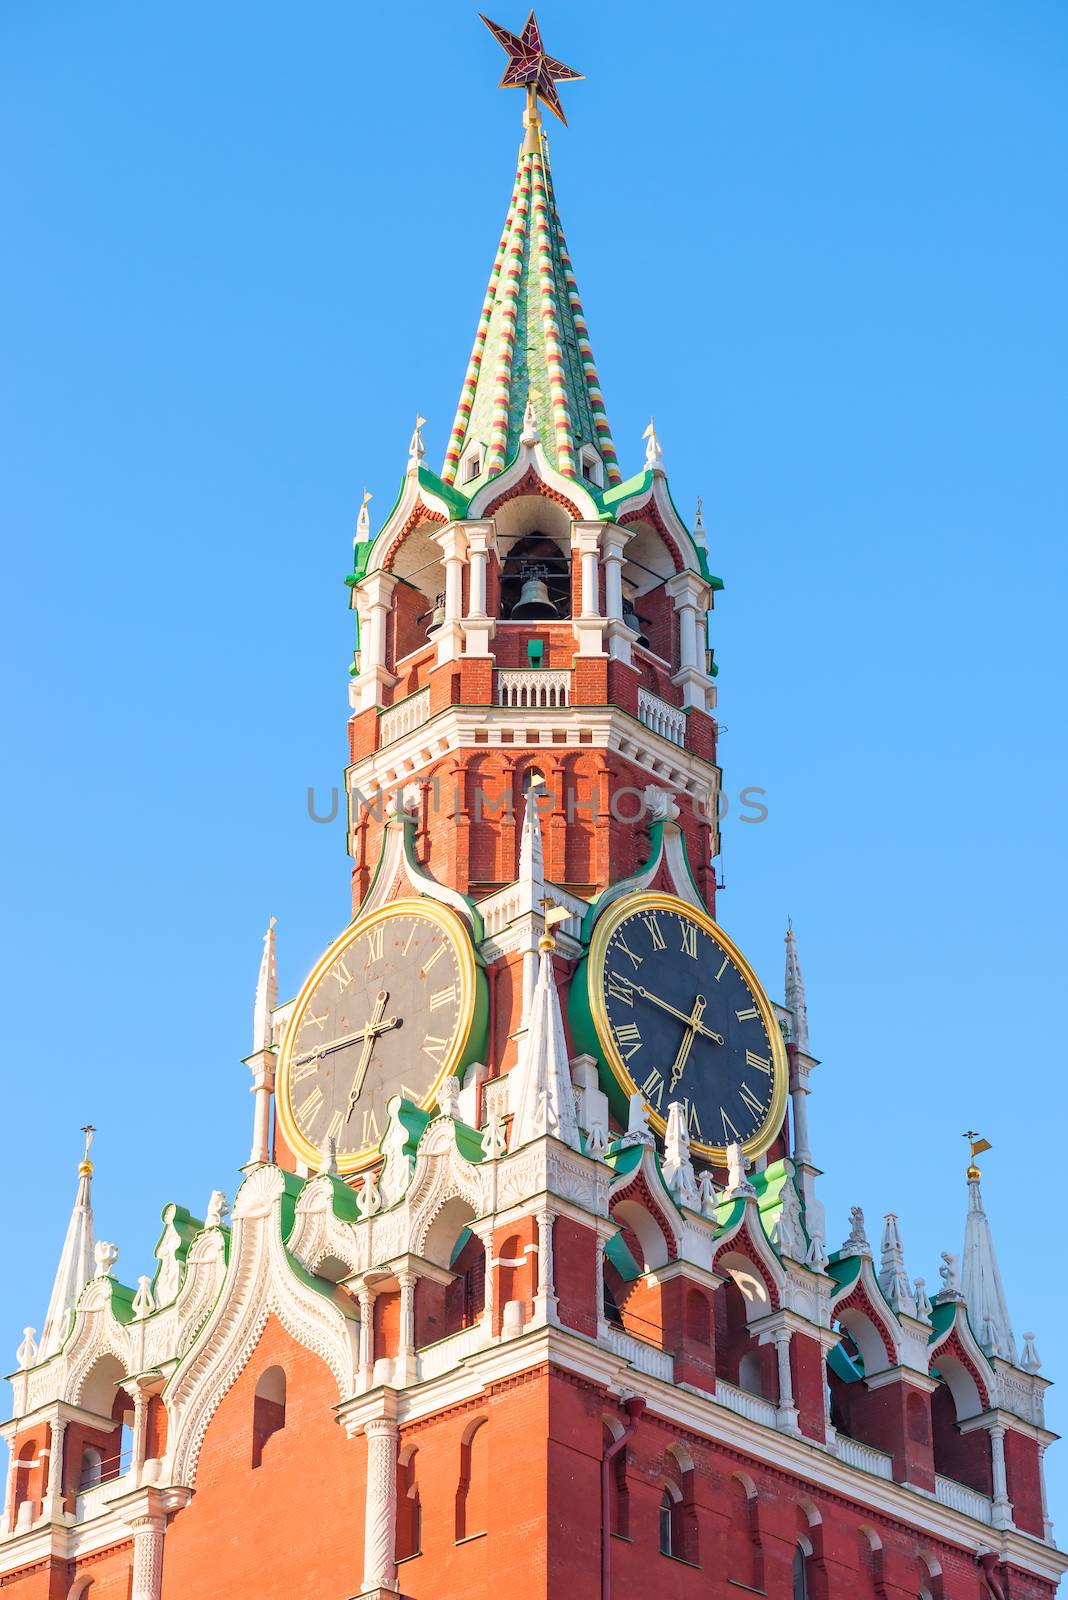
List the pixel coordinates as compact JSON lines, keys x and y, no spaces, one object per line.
{"x":531,"y":899}
{"x":76,"y":1261}
{"x":542,"y":1096}
{"x":893,"y":1279}
{"x":261,"y":1062}
{"x":981,"y":1284}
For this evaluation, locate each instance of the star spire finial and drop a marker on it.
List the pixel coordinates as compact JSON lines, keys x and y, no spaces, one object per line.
{"x":530,"y":68}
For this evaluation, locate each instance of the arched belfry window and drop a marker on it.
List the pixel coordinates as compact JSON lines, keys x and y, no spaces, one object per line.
{"x":536,"y":579}
{"x":91,"y":1469}
{"x":667,"y":1523}
{"x":268,"y":1410}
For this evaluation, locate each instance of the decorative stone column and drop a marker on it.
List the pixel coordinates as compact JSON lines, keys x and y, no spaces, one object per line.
{"x":380,"y":1518}
{"x":489,"y":1295}
{"x":262,"y":1066}
{"x":140,"y":1427}
{"x":1047,"y":1525}
{"x":1002,"y":1503}
{"x":589,"y":625}
{"x":545,"y":1298}
{"x":620,"y":637}
{"x":598,"y":1284}
{"x":148,"y":1531}
{"x":53,"y":1505}
{"x":367,"y":1336}
{"x":478,"y":628}
{"x":786,"y":1411}
{"x":405,"y":1365}
{"x":374,"y":600}
{"x":449,"y":636}
{"x":689,"y":592}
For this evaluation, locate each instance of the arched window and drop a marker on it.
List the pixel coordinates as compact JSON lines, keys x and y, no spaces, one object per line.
{"x":268,"y":1411}
{"x":750,"y":1374}
{"x":745,"y":1552}
{"x":25,"y":1461}
{"x":667,"y":1522}
{"x":472,"y":1489}
{"x":409,"y":1510}
{"x":800,"y":1572}
{"x":90,"y":1474}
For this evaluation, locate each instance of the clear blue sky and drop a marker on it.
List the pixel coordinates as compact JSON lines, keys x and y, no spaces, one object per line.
{"x":826,"y":246}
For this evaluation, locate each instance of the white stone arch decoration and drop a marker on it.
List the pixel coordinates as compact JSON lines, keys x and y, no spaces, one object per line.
{"x":678,"y":1453}
{"x":318,"y":1234}
{"x":261,"y":1281}
{"x":745,"y":1255}
{"x":97,"y":1335}
{"x":81,"y":1587}
{"x":441,"y":1176}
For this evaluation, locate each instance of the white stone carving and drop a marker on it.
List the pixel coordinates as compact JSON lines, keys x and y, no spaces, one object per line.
{"x":788,"y":1234}
{"x":677,"y":1165}
{"x":448,"y":1096}
{"x":949,"y":1272}
{"x":738,"y":1185}
{"x":707,"y":1198}
{"x":218,"y":1210}
{"x":638,"y":1129}
{"x":493,"y":1138}
{"x":857,"y":1242}
{"x":26,"y":1354}
{"x":380,"y":1519}
{"x":921,"y":1300}
{"x":144,"y":1302}
{"x":105,"y":1255}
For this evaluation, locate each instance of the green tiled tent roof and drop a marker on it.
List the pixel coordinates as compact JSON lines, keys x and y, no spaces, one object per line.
{"x":532,"y":341}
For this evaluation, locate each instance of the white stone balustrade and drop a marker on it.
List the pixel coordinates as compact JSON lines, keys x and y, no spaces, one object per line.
{"x":744,"y":1404}
{"x":534,"y":690}
{"x":660,"y":717}
{"x":409,"y":713}
{"x":864,"y":1457}
{"x":958,"y":1497}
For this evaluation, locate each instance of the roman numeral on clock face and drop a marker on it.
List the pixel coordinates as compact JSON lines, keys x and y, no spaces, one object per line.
{"x":653,"y":1088}
{"x":758,"y":1062}
{"x":655,"y":935}
{"x":341,"y":974}
{"x":620,"y":989}
{"x":629,"y":1039}
{"x":309,"y":1106}
{"x":337,"y":1122}
{"x":730,"y":1132}
{"x":621,"y":944}
{"x":750,"y":1101}
{"x":443,"y":997}
{"x":689,"y":940}
{"x":434,"y":1047}
{"x":748,"y":1014}
{"x":376,"y":942}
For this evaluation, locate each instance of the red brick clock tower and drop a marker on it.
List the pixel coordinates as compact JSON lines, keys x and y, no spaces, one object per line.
{"x":526,"y":1287}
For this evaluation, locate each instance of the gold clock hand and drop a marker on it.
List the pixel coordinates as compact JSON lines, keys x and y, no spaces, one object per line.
{"x":369,"y":1034}
{"x":679,"y":1066}
{"x":665,"y":1005}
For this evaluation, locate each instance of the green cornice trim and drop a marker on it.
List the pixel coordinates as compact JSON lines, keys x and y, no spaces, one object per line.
{"x":844,"y":1269}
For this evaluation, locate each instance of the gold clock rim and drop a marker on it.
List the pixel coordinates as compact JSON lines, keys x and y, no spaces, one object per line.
{"x":620,"y":911}
{"x":453,"y":926}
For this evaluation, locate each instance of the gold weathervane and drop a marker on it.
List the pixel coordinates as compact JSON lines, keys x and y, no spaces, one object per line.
{"x":85,"y":1169}
{"x":978,"y":1145}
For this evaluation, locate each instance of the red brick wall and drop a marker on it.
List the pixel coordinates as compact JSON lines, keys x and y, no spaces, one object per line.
{"x":292,"y":1527}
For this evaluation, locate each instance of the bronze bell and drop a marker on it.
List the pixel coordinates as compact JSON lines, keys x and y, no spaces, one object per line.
{"x":534,"y":604}
{"x":437,"y":616}
{"x":632,"y":620}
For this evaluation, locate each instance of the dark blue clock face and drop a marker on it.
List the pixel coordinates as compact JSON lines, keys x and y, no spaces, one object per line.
{"x":687,"y":1025}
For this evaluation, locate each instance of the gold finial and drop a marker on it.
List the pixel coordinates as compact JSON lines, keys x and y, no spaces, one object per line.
{"x":85,"y":1168}
{"x":978,"y":1145}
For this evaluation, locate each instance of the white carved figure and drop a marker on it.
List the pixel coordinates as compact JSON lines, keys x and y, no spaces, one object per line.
{"x":788,"y":1234}
{"x":816,"y":1254}
{"x":857,"y":1242}
{"x":707,"y":1197}
{"x":493,"y":1137}
{"x":638,"y":1130}
{"x":449,"y":1096}
{"x":659,"y":804}
{"x":363,"y":521}
{"x":397,"y":1171}
{"x":923,"y":1303}
{"x":368,"y":1196}
{"x":416,"y":447}
{"x":218,"y":1210}
{"x":143,"y":1301}
{"x":105,"y":1255}
{"x":654,"y":455}
{"x":328,"y":1162}
{"x":949,"y":1272}
{"x":677,"y":1165}
{"x":26,"y":1354}
{"x":1029,"y":1360}
{"x":738,"y":1184}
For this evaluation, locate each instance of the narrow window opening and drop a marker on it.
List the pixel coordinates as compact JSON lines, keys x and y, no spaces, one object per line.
{"x":268,"y":1411}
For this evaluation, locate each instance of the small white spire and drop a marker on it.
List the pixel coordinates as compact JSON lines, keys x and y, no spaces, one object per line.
{"x":638,"y":1129}
{"x":542,"y":1092}
{"x":75,"y":1262}
{"x":143,"y":1301}
{"x":218,"y":1210}
{"x":654,"y":455}
{"x":893,"y":1279}
{"x":363,"y":521}
{"x":448,"y":1096}
{"x":677,"y":1166}
{"x":700,"y":532}
{"x":981,"y":1283}
{"x":105,"y":1255}
{"x":328,"y":1163}
{"x":416,"y":447}
{"x":266,"y":993}
{"x":795,"y":993}
{"x":922,"y":1299}
{"x":26,"y":1354}
{"x":1030,"y":1360}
